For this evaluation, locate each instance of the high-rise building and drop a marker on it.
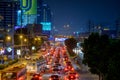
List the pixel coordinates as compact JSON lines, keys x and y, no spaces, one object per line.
{"x":39,"y":7}
{"x":45,"y":19}
{"x":8,"y":10}
{"x":28,"y":12}
{"x":8,"y":16}
{"x":32,"y":12}
{"x":118,"y":27}
{"x":45,"y":13}
{"x":35,"y":12}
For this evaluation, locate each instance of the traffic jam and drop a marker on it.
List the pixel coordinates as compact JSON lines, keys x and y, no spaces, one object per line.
{"x":57,"y":66}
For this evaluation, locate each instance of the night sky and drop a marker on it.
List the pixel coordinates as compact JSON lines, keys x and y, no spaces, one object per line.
{"x":77,"y":13}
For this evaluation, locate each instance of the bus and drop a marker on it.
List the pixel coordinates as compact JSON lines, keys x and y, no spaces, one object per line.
{"x":15,"y":73}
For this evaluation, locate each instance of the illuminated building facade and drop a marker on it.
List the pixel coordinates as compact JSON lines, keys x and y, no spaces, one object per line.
{"x":23,"y":12}
{"x":28,"y":12}
{"x":46,"y":17}
{"x":35,"y":12}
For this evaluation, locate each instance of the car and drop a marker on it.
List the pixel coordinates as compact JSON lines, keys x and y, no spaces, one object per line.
{"x":57,"y":64}
{"x":56,"y":69}
{"x":68,"y":63}
{"x":65,"y":59}
{"x":72,"y":76}
{"x":27,"y":57}
{"x":43,"y":49}
{"x":68,"y":68}
{"x":36,"y":76}
{"x":54,"y":77}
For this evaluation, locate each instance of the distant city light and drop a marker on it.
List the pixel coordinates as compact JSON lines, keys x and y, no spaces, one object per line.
{"x":19,"y":11}
{"x":44,"y":4}
{"x":17,"y":27}
{"x":106,"y":29}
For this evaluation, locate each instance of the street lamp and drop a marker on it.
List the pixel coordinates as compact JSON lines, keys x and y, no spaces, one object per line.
{"x":25,"y":40}
{"x":37,"y":42}
{"x":21,"y":37}
{"x":8,"y":38}
{"x":9,"y":43}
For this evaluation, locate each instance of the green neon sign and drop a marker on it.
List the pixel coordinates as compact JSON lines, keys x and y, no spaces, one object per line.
{"x":29,"y":6}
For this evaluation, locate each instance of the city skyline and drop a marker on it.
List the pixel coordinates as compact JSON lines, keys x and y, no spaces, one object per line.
{"x":77,"y":13}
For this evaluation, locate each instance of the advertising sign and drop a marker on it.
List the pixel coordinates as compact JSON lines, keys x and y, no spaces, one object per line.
{"x":29,"y":6}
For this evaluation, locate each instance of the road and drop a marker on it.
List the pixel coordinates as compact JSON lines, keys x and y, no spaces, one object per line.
{"x":84,"y":74}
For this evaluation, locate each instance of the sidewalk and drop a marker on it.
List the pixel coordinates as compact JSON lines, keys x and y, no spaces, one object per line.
{"x":88,"y":76}
{"x":84,"y":73}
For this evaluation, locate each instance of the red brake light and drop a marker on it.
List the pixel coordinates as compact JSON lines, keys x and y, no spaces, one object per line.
{"x":50,"y":78}
{"x":65,"y":69}
{"x":71,"y":76}
{"x":40,"y":77}
{"x":72,"y":68}
{"x":20,"y":78}
{"x":76,"y":75}
{"x":36,"y":75}
{"x":69,"y":67}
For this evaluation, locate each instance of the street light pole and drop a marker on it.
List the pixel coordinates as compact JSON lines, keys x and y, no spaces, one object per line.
{"x":13,"y":30}
{"x":13,"y":45}
{"x":21,"y":37}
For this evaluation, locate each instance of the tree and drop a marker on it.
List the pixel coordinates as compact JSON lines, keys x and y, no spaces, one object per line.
{"x":114,"y":61}
{"x":95,"y":50}
{"x":71,"y":44}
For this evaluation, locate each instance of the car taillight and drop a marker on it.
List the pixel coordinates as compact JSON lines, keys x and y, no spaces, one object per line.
{"x":20,"y":78}
{"x":72,"y":69}
{"x":36,"y":75}
{"x":40,"y":77}
{"x":66,"y":78}
{"x":76,"y":75}
{"x":66,"y":69}
{"x":71,"y":77}
{"x":50,"y":78}
{"x":69,"y":67}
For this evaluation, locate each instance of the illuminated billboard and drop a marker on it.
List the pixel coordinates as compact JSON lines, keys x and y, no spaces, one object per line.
{"x":60,"y":39}
{"x":46,"y":26}
{"x":29,"y":6}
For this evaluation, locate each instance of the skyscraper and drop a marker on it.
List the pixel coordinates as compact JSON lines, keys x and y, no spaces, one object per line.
{"x":45,"y":19}
{"x":8,"y":13}
{"x":8,"y":10}
{"x":45,"y":13}
{"x":36,"y":11}
{"x":28,"y":11}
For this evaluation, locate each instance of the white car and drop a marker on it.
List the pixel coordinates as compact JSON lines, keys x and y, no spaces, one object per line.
{"x":27,"y":57}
